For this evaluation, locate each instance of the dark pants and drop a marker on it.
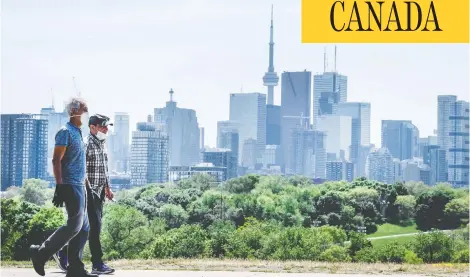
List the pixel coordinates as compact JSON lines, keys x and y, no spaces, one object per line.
{"x":95,"y":214}
{"x":75,"y":232}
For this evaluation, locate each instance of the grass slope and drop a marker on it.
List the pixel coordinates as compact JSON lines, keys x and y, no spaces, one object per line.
{"x":388,"y":229}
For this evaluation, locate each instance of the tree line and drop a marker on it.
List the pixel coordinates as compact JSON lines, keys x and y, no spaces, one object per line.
{"x":256,"y":217}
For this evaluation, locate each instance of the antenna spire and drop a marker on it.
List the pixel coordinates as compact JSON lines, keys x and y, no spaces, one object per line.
{"x":52,"y":94}
{"x":324,"y":59}
{"x":171,"y":95}
{"x":335,"y":58}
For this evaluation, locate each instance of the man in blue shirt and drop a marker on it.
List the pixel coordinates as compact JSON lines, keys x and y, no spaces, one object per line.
{"x":69,"y":164}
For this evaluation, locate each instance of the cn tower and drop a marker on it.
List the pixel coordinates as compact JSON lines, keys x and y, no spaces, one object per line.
{"x":270,"y":78}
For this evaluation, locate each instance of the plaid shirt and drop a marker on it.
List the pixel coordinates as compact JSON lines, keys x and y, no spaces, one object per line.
{"x":96,"y":164}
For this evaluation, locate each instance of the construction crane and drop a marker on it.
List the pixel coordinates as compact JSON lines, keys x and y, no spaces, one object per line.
{"x":75,"y":86}
{"x":301,"y":118}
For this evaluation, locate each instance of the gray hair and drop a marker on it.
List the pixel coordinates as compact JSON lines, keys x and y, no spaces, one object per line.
{"x":74,"y":105}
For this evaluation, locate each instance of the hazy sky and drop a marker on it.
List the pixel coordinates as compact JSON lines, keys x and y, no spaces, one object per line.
{"x":126,"y":55}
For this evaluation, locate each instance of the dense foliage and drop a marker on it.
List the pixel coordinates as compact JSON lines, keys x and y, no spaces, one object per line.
{"x":256,"y":217}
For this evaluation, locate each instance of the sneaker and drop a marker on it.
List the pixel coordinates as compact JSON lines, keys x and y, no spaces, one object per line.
{"x":61,"y":260}
{"x":38,"y":263}
{"x":80,"y":273}
{"x":102,"y":268}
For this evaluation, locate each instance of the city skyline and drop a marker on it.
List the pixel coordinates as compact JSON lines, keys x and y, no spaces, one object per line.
{"x":127,"y":65}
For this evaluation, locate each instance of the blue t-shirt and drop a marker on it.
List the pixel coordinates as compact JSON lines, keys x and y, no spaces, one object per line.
{"x":74,"y":160}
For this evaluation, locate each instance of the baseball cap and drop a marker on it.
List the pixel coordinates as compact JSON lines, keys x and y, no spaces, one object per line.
{"x":99,"y":119}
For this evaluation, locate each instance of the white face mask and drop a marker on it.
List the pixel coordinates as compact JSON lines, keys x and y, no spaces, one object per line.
{"x":101,"y":135}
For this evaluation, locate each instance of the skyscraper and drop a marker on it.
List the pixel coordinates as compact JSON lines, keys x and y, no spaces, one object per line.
{"x":339,"y":170}
{"x":329,"y":89}
{"x":249,"y":111}
{"x":24,"y":139}
{"x":308,"y":153}
{"x":296,"y":93}
{"x":120,"y":151}
{"x":401,"y":138}
{"x":360,"y":131}
{"x":149,"y":155}
{"x":380,"y":166}
{"x":453,"y":137}
{"x":55,"y":121}
{"x":229,"y":139}
{"x":183,"y":131}
{"x":338,"y":134}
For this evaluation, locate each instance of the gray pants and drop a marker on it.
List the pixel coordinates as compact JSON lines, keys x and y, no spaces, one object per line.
{"x":75,"y":232}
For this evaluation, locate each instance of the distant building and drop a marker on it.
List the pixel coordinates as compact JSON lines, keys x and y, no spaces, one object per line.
{"x":119,"y":143}
{"x":308,"y":153}
{"x":296,"y":91}
{"x":338,"y":134}
{"x":149,"y":155}
{"x":453,"y":137}
{"x":182,"y":128}
{"x":178,"y":173}
{"x":339,"y":171}
{"x":329,"y":90}
{"x":360,"y":114}
{"x":24,"y":149}
{"x":401,"y":138}
{"x":380,"y":166}
{"x":55,"y":120}
{"x":272,"y":156}
{"x":249,"y":111}
{"x":228,"y":138}
{"x":220,"y":157}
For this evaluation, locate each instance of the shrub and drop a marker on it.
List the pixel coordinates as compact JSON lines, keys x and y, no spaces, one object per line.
{"x":461,"y":256}
{"x":335,"y":254}
{"x":434,"y":247}
{"x":391,"y":253}
{"x":188,"y":241}
{"x":366,"y":255}
{"x":412,"y":258}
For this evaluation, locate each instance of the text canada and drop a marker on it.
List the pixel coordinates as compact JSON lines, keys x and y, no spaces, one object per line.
{"x":370,"y":16}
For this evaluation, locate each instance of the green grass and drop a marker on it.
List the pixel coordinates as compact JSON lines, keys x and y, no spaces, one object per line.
{"x":401,"y":240}
{"x":388,"y":229}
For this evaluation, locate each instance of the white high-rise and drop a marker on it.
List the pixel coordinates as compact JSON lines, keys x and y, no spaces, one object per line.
{"x":249,"y":111}
{"x":149,"y":155}
{"x":120,"y":154}
{"x":338,"y":134}
{"x":360,"y":136}
{"x":453,"y":137}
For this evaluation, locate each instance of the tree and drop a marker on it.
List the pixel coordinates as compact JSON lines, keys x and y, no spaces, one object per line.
{"x":430,"y":207}
{"x":406,"y":209}
{"x":126,"y":232}
{"x":456,"y":212}
{"x":434,"y":247}
{"x":34,"y":191}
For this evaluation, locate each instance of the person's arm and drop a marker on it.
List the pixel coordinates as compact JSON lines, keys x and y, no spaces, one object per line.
{"x":59,"y":152}
{"x":61,"y":142}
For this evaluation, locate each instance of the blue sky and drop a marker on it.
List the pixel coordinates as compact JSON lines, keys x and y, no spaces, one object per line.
{"x":126,"y":55}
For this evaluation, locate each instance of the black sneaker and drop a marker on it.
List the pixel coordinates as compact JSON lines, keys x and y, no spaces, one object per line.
{"x":38,"y":263}
{"x":102,"y":268}
{"x":80,"y":273}
{"x":61,"y":260}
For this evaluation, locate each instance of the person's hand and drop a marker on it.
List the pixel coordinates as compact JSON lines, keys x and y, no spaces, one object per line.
{"x":59,"y":196}
{"x":109,"y":193}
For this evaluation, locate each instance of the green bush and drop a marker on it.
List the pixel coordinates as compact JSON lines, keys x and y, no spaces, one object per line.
{"x":391,"y":253}
{"x":188,"y":241}
{"x":335,"y":254}
{"x":412,"y":258}
{"x":366,"y":255}
{"x":461,"y":256}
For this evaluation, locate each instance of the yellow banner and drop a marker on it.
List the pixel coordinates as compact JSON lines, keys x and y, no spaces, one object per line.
{"x":385,"y":21}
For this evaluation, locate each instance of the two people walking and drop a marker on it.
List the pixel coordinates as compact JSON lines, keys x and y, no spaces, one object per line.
{"x":82,"y":184}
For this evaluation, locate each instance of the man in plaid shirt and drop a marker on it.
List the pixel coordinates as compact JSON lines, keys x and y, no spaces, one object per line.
{"x":97,"y":183}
